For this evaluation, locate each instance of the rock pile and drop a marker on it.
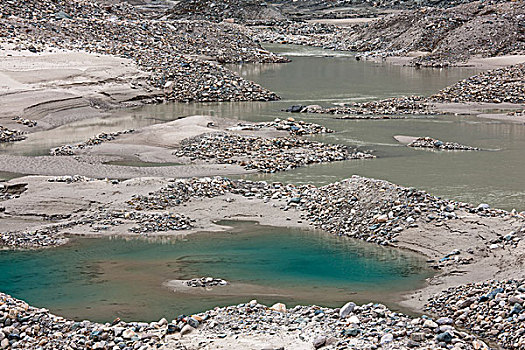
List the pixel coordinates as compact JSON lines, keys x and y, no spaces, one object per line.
{"x":267,"y":155}
{"x":493,"y":310}
{"x":70,"y":179}
{"x":204,"y":282}
{"x":26,"y":327}
{"x":166,"y":50}
{"x":383,"y":109}
{"x":43,"y":238}
{"x":27,"y":122}
{"x":496,"y":86}
{"x":143,"y":223}
{"x":69,"y":150}
{"x":429,"y":142}
{"x":7,"y":135}
{"x":290,"y":124}
{"x":158,"y":222}
{"x":367,"y":209}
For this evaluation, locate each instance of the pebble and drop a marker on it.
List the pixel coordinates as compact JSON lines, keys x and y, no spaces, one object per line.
{"x":27,"y":122}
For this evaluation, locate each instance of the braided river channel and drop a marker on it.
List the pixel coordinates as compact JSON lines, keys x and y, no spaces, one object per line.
{"x":102,"y":279}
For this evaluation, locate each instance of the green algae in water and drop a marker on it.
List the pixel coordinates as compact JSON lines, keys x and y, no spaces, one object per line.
{"x":104,"y":278}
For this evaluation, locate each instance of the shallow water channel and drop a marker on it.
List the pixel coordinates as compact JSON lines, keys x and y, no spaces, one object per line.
{"x":323,"y":77}
{"x":101,"y":279}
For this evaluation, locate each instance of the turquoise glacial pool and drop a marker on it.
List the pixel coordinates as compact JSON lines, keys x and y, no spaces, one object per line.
{"x":105,"y":278}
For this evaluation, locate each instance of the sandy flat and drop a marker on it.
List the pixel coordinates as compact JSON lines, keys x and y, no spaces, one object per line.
{"x":56,"y":87}
{"x":495,"y":62}
{"x":496,"y":111}
{"x":155,"y":143}
{"x":405,"y":140}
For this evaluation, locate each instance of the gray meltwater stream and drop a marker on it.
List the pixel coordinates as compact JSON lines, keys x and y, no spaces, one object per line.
{"x":323,"y":77}
{"x":100,"y":278}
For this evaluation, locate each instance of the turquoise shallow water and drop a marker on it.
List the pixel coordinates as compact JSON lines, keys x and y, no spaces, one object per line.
{"x":105,"y":278}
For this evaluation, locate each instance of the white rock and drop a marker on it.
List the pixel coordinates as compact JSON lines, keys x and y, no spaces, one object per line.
{"x":387,"y":338}
{"x":279,"y":307}
{"x":354,"y":319}
{"x":128,"y":334}
{"x":186,"y":329}
{"x":347,"y":309}
{"x":430,"y":324}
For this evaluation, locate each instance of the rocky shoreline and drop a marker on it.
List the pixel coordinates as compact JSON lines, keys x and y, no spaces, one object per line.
{"x":69,"y":150}
{"x":362,"y":327}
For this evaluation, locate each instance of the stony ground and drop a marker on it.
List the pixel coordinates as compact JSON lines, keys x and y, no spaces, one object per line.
{"x":308,"y":327}
{"x":493,"y":310}
{"x":241,"y":11}
{"x":442,"y":37}
{"x":168,"y":51}
{"x":495,"y":86}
